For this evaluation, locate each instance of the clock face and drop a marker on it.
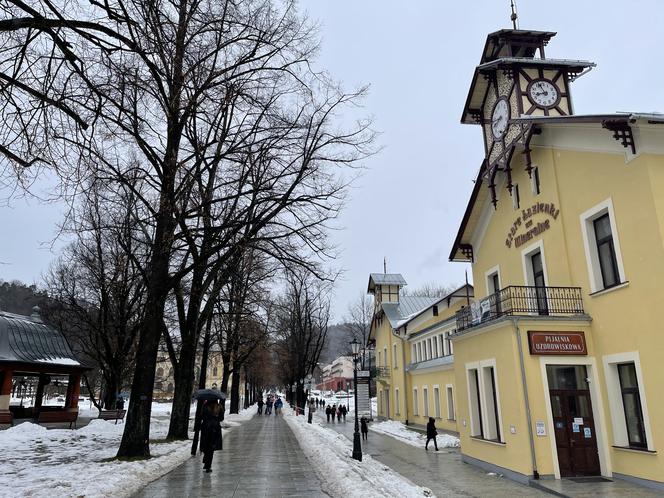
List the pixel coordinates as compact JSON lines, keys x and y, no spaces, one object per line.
{"x":500,"y":118}
{"x":543,"y":93}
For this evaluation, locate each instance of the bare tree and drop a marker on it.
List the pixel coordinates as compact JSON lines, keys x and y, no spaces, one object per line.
{"x":358,"y":321}
{"x":302,"y":315}
{"x":430,"y":289}
{"x":178,"y":93}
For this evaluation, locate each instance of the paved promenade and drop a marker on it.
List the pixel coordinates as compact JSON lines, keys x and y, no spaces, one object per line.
{"x":443,"y":472}
{"x":260,"y":458}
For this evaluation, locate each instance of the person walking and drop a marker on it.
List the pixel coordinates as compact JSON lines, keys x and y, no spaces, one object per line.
{"x":364,"y":428}
{"x":344,"y":411}
{"x":328,"y":410}
{"x":260,"y":406}
{"x":312,"y":409}
{"x":210,"y":434}
{"x":431,"y":434}
{"x":339,"y":413}
{"x":333,"y":412}
{"x":277,"y":406}
{"x":268,"y":406}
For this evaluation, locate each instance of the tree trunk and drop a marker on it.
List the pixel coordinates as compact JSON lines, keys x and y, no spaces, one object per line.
{"x":235,"y":391}
{"x":184,"y":379}
{"x":225,"y":376}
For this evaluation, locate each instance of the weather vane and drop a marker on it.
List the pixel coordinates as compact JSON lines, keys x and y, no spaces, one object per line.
{"x":514,"y":15}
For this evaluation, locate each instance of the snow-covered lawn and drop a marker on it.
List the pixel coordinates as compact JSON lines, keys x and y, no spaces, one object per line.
{"x":330,"y":455}
{"x":37,"y":462}
{"x":403,"y":433}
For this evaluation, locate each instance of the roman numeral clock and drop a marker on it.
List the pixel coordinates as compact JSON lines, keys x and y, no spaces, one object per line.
{"x":510,"y":86}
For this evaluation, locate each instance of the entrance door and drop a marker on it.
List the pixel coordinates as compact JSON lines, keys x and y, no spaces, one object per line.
{"x":540,"y":283}
{"x":576,"y":440}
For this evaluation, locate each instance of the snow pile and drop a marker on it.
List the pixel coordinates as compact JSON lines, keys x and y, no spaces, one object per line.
{"x":401,"y":432}
{"x":330,"y":454}
{"x":37,"y":462}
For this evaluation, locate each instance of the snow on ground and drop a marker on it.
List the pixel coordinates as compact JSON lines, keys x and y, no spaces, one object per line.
{"x":330,"y":454}
{"x":37,"y":462}
{"x":403,"y":433}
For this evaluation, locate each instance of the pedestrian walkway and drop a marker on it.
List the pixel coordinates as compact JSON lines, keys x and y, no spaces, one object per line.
{"x":443,"y":472}
{"x":261,"y":457}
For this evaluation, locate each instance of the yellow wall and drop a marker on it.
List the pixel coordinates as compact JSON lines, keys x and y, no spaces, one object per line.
{"x":623,"y":319}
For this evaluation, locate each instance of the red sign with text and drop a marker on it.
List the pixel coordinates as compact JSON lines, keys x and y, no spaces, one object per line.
{"x":557,"y":343}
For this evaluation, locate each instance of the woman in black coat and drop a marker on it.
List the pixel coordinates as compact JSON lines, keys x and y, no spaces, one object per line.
{"x":431,"y":434}
{"x":210,"y":434}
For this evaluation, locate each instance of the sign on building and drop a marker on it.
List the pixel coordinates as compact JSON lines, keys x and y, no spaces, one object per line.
{"x":557,"y":343}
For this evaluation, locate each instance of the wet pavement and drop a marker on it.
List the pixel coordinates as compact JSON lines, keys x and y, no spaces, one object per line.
{"x":261,"y":457}
{"x":443,"y":472}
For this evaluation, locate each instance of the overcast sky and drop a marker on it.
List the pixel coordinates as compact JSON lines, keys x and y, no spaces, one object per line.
{"x":419,"y":56}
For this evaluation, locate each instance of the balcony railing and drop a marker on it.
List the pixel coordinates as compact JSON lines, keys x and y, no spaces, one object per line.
{"x":521,"y":300}
{"x":381,"y":372}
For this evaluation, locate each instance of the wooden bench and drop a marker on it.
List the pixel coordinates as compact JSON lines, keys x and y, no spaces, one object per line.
{"x":50,"y":417}
{"x":112,"y":415}
{"x":6,"y":417}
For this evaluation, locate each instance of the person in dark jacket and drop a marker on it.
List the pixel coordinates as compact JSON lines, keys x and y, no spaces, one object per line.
{"x":344,"y":411}
{"x":328,"y":410}
{"x":339,"y":413}
{"x":210,"y":434}
{"x":364,"y":428}
{"x":431,"y":434}
{"x":260,"y":406}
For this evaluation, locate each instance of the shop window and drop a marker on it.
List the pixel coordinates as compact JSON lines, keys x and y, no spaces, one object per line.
{"x":416,"y":410}
{"x":535,"y":180}
{"x":602,"y":247}
{"x":425,"y":401}
{"x":631,"y":398}
{"x":516,"y":200}
{"x":450,"y":403}
{"x":436,"y":401}
{"x":397,"y":407}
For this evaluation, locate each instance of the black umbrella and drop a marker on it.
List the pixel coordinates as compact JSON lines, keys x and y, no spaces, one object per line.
{"x":209,"y":394}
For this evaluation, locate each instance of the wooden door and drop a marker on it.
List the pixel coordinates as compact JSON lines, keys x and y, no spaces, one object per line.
{"x":574,"y":426}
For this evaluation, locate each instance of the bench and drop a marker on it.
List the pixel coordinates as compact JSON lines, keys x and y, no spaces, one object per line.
{"x":112,"y":415}
{"x":6,"y":417}
{"x":49,"y":417}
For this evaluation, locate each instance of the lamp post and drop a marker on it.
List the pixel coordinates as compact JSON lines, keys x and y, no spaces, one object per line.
{"x":357,"y":445}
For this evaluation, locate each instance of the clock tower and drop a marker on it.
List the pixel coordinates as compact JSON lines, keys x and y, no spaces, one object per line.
{"x":515,"y":80}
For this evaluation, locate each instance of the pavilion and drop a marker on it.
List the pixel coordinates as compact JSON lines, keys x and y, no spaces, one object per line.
{"x":30,"y":348}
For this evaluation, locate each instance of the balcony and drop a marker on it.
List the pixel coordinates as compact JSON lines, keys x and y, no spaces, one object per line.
{"x":522,"y":301}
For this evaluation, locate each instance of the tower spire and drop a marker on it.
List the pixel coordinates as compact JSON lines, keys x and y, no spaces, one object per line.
{"x":384,"y":264}
{"x":515,"y":16}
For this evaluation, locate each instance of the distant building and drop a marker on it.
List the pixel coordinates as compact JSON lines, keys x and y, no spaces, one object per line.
{"x":338,"y":375}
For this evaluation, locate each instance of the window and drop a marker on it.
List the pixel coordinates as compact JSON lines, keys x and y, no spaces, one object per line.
{"x":397,"y":407}
{"x":429,"y":349}
{"x":435,"y":347}
{"x":606,"y":251}
{"x":436,"y":401}
{"x":415,"y":402}
{"x":380,"y":402}
{"x":516,"y":201}
{"x":602,"y":247}
{"x":214,"y":372}
{"x":629,"y":390}
{"x":483,"y":397}
{"x":535,"y":180}
{"x":160,"y":372}
{"x":419,"y":352}
{"x":435,"y":310}
{"x":385,"y":356}
{"x":425,"y":400}
{"x":394,"y":355}
{"x":379,"y":363}
{"x":414,"y":354}
{"x":450,"y":403}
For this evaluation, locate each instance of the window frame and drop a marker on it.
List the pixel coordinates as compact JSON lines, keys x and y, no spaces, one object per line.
{"x":436,"y":401}
{"x":484,"y":401}
{"x":395,"y":363}
{"x":425,"y":401}
{"x":633,"y":390}
{"x":397,"y":402}
{"x":516,"y":198}
{"x":535,"y":182}
{"x":608,"y":241}
{"x":586,"y":220}
{"x":451,"y":407}
{"x":416,"y":411}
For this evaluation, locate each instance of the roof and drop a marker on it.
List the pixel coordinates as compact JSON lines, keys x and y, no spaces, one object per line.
{"x":480,"y":194}
{"x":25,"y":339}
{"x":384,"y":279}
{"x":406,"y":308}
{"x":466,"y":290}
{"x":508,"y":41}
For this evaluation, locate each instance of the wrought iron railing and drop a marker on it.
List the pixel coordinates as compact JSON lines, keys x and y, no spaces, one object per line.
{"x":381,"y":372}
{"x":521,"y":300}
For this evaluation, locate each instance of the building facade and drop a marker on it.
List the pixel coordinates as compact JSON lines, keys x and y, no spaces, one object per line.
{"x":338,"y":375}
{"x":414,"y":352}
{"x":558,"y":363}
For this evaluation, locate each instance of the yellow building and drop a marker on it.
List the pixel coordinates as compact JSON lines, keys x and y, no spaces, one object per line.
{"x":558,"y":364}
{"x":414,"y":353}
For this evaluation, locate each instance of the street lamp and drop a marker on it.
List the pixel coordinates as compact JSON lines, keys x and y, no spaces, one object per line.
{"x":357,"y":446}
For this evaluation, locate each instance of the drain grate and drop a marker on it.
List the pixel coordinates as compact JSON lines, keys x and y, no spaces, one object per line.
{"x":589,"y":479}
